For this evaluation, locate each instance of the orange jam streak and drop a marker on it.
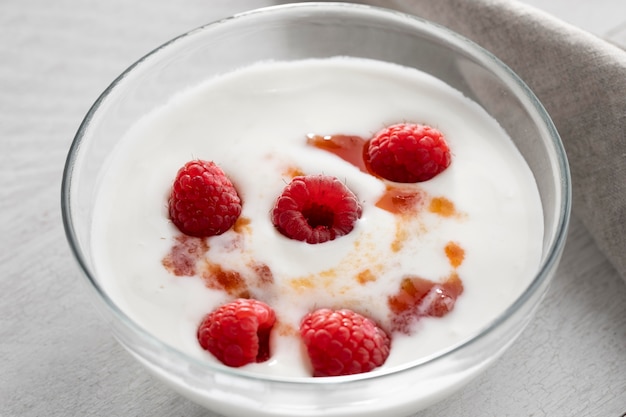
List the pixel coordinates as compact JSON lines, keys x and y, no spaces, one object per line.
{"x":241,"y":224}
{"x":442,"y":206}
{"x":232,"y":282}
{"x":365,"y":276}
{"x":400,"y":200}
{"x":455,"y":254}
{"x":293,"y":172}
{"x":347,"y":147}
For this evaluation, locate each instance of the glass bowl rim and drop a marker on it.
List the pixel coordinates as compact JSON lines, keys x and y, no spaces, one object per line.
{"x":423,"y":25}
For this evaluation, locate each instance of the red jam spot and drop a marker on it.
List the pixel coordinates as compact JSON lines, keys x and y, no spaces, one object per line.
{"x":418,"y":297}
{"x":400,"y":200}
{"x":441,"y":298}
{"x":455,"y":254}
{"x":232,"y":282}
{"x":412,"y":290}
{"x":263,"y":274}
{"x":400,"y":238}
{"x":347,"y":147}
{"x":184,"y":255}
{"x":442,"y":206}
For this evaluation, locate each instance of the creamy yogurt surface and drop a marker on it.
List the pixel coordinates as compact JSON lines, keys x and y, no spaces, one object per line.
{"x":254,"y":123}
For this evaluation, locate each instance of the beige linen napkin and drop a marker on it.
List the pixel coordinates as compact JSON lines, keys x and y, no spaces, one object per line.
{"x":579,"y":78}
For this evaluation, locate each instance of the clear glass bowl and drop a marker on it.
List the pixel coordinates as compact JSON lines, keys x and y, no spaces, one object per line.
{"x":292,"y":32}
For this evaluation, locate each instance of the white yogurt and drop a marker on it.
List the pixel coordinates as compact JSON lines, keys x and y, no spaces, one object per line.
{"x":253,"y":123}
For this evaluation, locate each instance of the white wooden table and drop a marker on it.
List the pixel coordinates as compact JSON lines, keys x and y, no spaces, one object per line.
{"x":56,"y":356}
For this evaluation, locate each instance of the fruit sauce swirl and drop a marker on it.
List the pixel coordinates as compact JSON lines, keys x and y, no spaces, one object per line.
{"x":415,"y":297}
{"x":413,"y":259}
{"x":314,"y":209}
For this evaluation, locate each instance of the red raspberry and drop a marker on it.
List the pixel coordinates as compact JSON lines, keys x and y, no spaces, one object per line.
{"x":343,"y":342}
{"x":238,"y":333}
{"x":408,"y":153}
{"x":315,"y":209}
{"x":203,"y":201}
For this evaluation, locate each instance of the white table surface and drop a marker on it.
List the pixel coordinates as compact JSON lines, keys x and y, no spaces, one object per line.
{"x":57,"y":358}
